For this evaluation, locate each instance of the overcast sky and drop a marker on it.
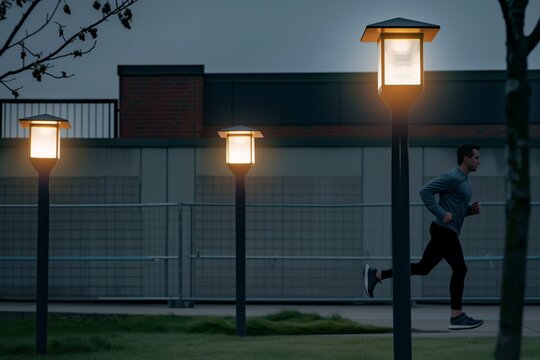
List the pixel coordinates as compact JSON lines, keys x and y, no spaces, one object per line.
{"x":233,"y":36}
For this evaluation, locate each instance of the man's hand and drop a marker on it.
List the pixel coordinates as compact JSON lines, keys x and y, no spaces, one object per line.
{"x":447,"y":218}
{"x":475,"y":208}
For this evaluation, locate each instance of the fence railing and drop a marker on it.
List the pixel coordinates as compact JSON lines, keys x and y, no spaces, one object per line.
{"x":89,"y":118}
{"x":97,"y":251}
{"x":295,"y":252}
{"x":316,"y":252}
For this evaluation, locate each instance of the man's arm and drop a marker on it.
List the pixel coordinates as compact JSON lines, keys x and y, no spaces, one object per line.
{"x":438,"y":185}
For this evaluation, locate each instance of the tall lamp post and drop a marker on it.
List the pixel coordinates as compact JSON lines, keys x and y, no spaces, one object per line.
{"x":400,"y":81}
{"x":240,"y":156}
{"x":44,"y":152}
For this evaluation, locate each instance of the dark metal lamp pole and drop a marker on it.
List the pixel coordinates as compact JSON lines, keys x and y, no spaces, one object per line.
{"x":44,"y":152}
{"x":42,"y":289}
{"x":240,"y":176}
{"x":240,"y":156}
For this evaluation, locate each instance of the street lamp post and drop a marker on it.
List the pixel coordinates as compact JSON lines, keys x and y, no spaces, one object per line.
{"x":240,"y":156}
{"x":44,"y":152}
{"x":400,"y":81}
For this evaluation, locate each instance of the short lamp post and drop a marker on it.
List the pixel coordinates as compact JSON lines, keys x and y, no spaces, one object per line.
{"x":44,"y":152}
{"x":400,"y":81}
{"x":240,"y":156}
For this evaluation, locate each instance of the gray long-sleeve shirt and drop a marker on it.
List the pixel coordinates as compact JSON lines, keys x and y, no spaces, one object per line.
{"x":454,"y":193}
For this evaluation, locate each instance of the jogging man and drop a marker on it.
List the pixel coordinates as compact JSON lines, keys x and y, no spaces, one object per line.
{"x":450,"y":211}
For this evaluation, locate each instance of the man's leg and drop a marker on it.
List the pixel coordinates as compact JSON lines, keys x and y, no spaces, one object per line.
{"x":433,"y":254}
{"x":454,"y":257}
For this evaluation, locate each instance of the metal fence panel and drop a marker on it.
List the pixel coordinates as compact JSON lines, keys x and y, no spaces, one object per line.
{"x":315,"y":252}
{"x":295,"y":252}
{"x":99,"y":251}
{"x":89,"y":118}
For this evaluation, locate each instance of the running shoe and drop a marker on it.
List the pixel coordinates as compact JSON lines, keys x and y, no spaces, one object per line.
{"x":370,"y":280}
{"x":464,"y":322}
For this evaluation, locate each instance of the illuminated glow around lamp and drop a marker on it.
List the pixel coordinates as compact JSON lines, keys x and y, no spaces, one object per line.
{"x":44,"y":142}
{"x":402,"y":62}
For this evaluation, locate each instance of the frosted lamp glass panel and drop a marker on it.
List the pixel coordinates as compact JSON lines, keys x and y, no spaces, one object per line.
{"x":379,"y":72}
{"x":44,"y":142}
{"x":402,"y":63}
{"x":240,"y":149}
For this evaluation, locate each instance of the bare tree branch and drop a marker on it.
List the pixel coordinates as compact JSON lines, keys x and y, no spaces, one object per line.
{"x":5,"y":5}
{"x":75,"y":53}
{"x":63,"y":76}
{"x":533,"y":38}
{"x":47,"y":21}
{"x":25,"y":48}
{"x":14,"y":92}
{"x":61,"y":30}
{"x":58,"y":52}
{"x":18,"y":26}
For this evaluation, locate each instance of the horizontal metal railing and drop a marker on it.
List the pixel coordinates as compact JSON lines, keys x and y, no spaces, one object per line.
{"x":89,"y":118}
{"x":91,"y":258}
{"x":351,"y":205}
{"x":85,"y":206}
{"x":362,"y":258}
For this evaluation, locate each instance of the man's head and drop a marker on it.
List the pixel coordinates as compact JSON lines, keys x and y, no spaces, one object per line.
{"x":468,"y":157}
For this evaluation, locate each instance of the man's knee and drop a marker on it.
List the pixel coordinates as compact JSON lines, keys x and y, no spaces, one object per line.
{"x":419,"y":269}
{"x":460,"y":270}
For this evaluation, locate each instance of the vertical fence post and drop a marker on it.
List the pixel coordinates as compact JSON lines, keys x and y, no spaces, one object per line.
{"x":180,"y":241}
{"x":1,"y":119}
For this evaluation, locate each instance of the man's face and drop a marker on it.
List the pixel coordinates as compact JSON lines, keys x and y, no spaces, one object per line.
{"x":473,"y":162}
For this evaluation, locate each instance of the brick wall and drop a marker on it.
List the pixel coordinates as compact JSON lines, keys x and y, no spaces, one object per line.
{"x":161,"y":101}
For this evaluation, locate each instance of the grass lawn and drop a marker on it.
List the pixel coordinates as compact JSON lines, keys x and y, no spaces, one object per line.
{"x":85,"y":337}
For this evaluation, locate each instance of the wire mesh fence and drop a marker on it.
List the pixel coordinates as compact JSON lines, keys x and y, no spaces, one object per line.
{"x":295,"y":252}
{"x":316,"y":252}
{"x":97,"y":251}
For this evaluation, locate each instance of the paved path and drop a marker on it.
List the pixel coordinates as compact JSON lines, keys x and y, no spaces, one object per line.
{"x":427,"y":320}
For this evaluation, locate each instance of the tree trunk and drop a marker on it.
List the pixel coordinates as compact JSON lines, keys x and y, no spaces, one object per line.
{"x":517,"y":96}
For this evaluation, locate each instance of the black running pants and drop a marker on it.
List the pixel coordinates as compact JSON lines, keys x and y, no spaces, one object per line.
{"x":444,"y":244}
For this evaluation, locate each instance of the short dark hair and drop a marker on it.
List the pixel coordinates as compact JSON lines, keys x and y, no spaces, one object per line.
{"x":466,"y":150}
